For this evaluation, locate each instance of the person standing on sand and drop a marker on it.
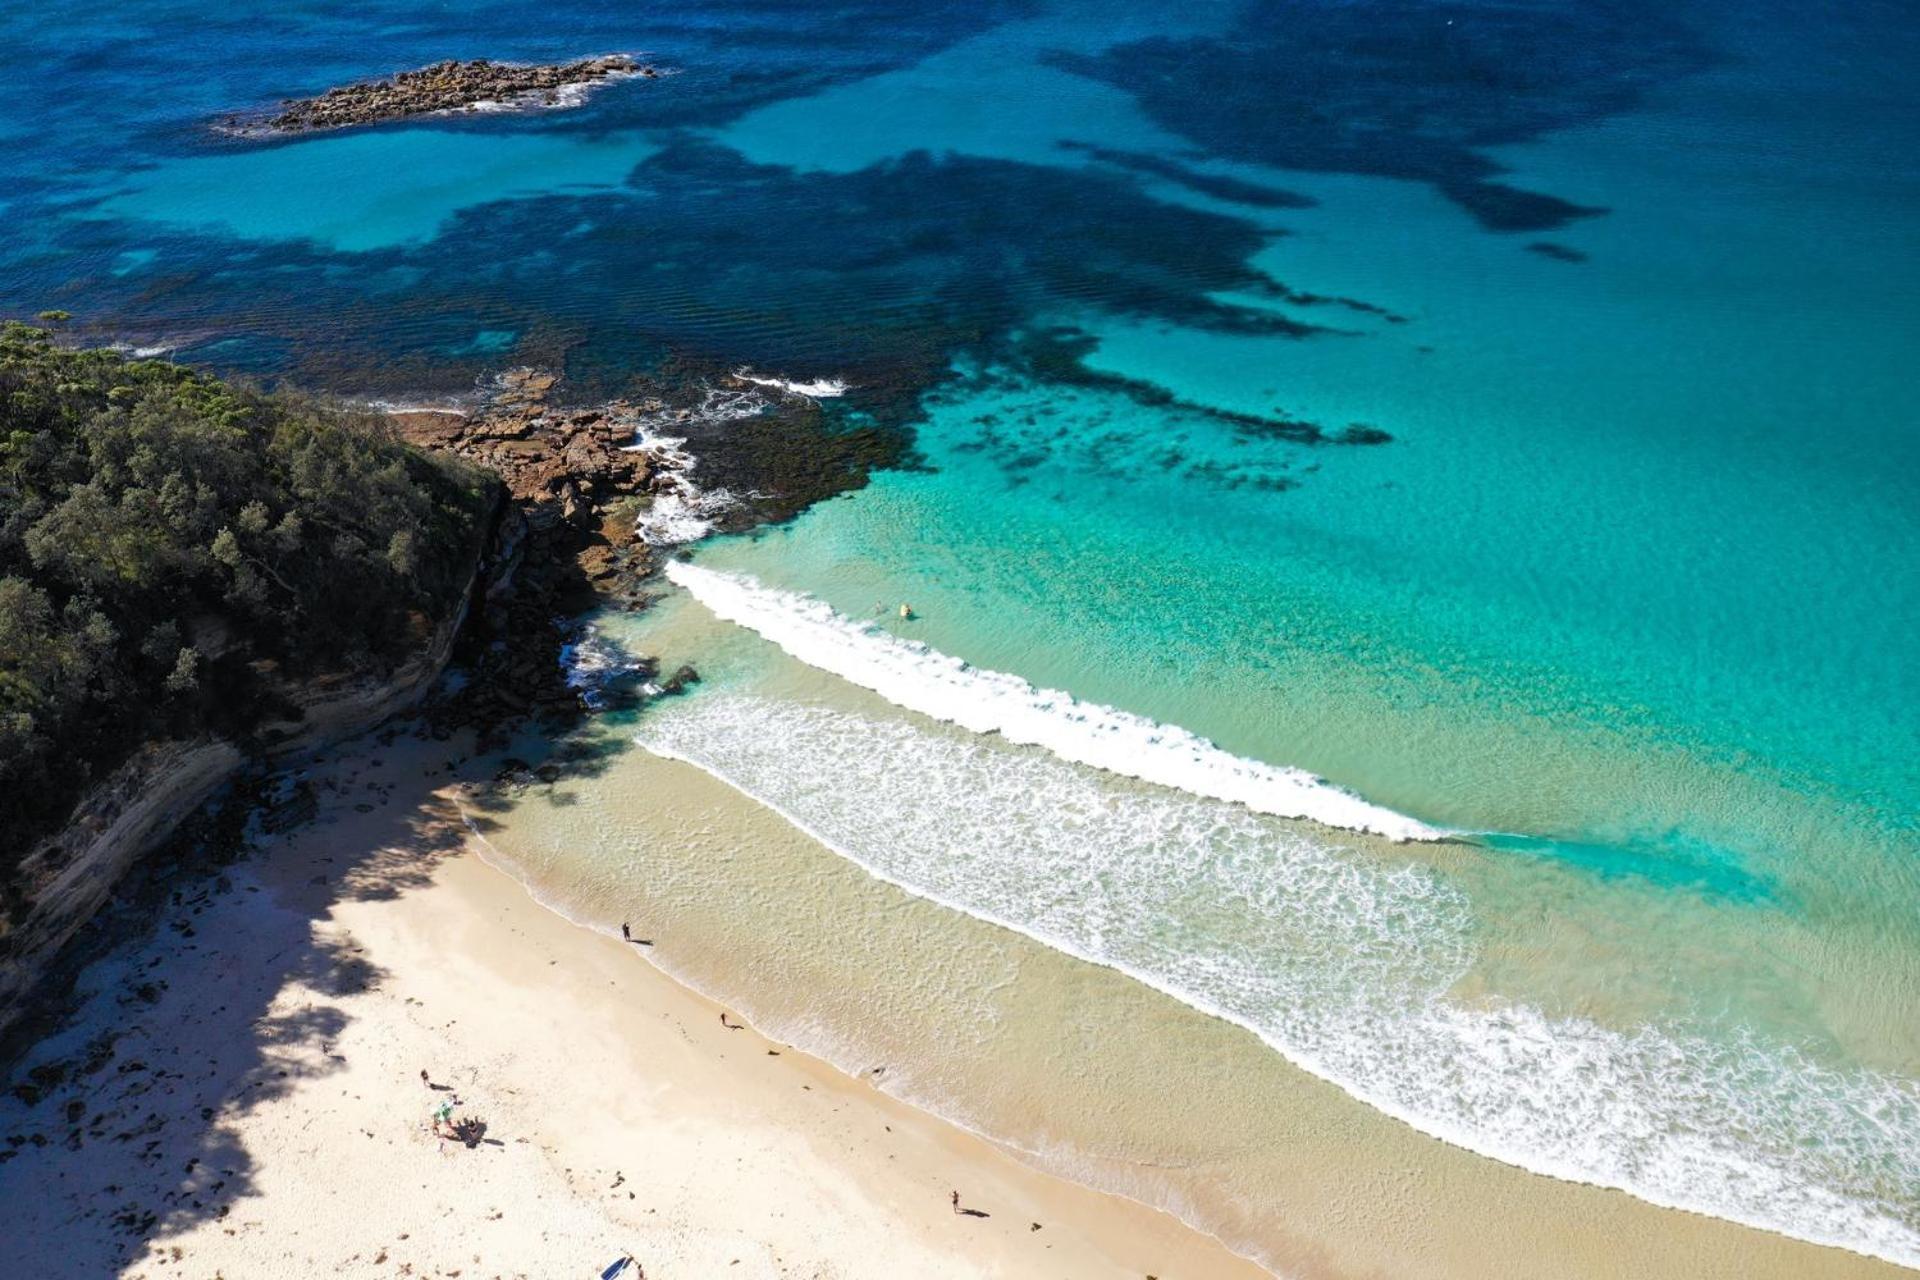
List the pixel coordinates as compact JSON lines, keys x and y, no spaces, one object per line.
{"x":625,"y":933}
{"x":956,"y":1202}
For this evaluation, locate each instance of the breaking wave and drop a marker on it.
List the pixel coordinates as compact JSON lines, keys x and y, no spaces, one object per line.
{"x":946,"y":688}
{"x":595,"y":664}
{"x":682,"y":511}
{"x":818,"y":389}
{"x":1341,"y":961}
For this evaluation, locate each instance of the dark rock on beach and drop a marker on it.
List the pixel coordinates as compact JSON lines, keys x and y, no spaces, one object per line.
{"x":448,"y":86}
{"x":568,"y":539}
{"x":679,"y":681}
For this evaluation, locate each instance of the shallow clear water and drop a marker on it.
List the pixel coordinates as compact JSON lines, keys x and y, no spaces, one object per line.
{"x":1624,"y":602}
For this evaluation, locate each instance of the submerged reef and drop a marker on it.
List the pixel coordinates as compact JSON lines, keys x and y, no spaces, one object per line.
{"x":1396,"y":89}
{"x":1059,"y":353}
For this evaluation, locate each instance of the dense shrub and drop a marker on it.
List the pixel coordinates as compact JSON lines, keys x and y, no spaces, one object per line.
{"x":175,"y":549}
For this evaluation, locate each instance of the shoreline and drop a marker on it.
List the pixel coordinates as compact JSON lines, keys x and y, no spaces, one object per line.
{"x":229,"y":1067}
{"x":815,"y":1060}
{"x":298,"y":992}
{"x":1005,"y":1033}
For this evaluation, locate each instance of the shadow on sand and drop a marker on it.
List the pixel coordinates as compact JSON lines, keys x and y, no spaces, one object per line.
{"x":216,"y":981}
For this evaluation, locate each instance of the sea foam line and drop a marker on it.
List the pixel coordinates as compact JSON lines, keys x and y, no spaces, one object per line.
{"x":1342,"y":965}
{"x":935,"y":684}
{"x":817,"y":389}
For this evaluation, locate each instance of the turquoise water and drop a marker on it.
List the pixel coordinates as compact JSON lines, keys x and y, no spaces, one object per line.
{"x":1630,"y":592}
{"x":319,"y":191}
{"x":1503,"y":413}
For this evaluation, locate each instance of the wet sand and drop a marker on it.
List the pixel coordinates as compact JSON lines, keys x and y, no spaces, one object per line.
{"x":242,"y":1096}
{"x":1089,"y":1073}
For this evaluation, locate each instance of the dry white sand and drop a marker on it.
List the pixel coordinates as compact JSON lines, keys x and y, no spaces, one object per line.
{"x":242,"y":1098}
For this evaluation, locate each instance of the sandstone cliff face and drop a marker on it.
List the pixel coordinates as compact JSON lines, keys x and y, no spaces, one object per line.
{"x":68,"y":876}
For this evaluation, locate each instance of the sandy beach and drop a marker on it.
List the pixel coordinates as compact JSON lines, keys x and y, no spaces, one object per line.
{"x":240,"y":1094}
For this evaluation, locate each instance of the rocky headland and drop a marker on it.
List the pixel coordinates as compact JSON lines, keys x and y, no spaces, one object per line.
{"x":579,"y":484}
{"x":450,"y":86}
{"x":584,"y":502}
{"x":561,"y":536}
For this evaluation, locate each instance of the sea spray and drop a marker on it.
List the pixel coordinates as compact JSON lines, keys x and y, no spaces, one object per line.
{"x":682,"y":511}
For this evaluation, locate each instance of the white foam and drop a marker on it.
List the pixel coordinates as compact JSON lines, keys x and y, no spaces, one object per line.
{"x":149,"y":352}
{"x":717,"y":404}
{"x":682,"y":513}
{"x":817,"y":389}
{"x":450,"y":406}
{"x":1342,"y":962}
{"x":592,"y":660}
{"x":946,"y":688}
{"x":681,"y":510}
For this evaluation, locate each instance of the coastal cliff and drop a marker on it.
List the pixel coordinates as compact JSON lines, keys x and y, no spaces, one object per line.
{"x":558,"y":509}
{"x":58,"y":886}
{"x":195,"y":575}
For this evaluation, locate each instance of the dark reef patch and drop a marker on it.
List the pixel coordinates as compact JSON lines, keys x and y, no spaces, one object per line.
{"x":1058,"y":355}
{"x":1281,"y":293}
{"x":1558,"y":252}
{"x":1206,"y":184}
{"x":1405,"y":90}
{"x":884,"y":277}
{"x":881,"y":277}
{"x":1499,"y":207}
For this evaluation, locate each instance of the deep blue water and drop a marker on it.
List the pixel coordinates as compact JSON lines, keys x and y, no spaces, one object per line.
{"x":1502,"y":411}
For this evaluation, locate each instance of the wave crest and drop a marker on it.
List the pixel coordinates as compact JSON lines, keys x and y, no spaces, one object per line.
{"x":934,"y":684}
{"x":816,"y":389}
{"x":1343,"y":963}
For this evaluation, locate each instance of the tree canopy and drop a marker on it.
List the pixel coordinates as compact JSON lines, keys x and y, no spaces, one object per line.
{"x":177,"y":550}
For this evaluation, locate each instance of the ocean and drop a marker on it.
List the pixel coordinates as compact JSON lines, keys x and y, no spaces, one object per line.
{"x":1407,"y":513}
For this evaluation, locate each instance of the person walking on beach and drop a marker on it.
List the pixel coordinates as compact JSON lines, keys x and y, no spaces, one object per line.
{"x":968,"y":1213}
{"x":626,"y":934}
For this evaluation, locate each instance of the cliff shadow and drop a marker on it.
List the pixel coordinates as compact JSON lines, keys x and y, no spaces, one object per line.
{"x":219,"y":979}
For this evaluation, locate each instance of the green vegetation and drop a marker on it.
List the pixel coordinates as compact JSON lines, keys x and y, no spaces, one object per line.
{"x":176,"y":551}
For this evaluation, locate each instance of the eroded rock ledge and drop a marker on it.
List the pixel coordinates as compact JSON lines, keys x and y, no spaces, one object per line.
{"x":450,"y":86}
{"x":577,"y":485}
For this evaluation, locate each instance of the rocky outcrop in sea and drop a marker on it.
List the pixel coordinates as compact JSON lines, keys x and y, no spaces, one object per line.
{"x":449,"y":86}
